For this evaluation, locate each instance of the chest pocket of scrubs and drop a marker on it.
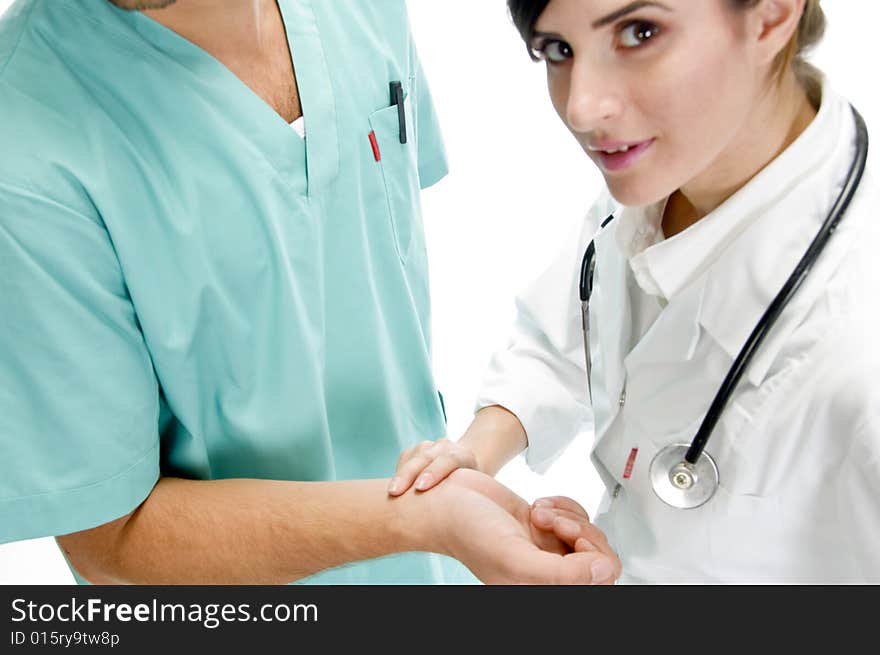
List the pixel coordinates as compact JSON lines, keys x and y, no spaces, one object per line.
{"x":400,"y":173}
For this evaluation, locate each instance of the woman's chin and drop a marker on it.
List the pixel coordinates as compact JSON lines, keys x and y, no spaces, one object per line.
{"x":636,"y":192}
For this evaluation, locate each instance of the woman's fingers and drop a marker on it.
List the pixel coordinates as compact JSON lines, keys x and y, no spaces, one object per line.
{"x":428,"y":464}
{"x":411,"y":462}
{"x":443,"y":465}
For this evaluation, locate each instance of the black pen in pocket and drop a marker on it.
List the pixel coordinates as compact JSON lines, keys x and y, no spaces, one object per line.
{"x":397,"y":99}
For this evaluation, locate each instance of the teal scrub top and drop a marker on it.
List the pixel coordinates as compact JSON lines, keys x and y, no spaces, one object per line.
{"x":189,"y":288}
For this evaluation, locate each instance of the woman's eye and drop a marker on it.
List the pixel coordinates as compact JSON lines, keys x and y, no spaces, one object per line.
{"x":554,"y":52}
{"x":637,"y":33}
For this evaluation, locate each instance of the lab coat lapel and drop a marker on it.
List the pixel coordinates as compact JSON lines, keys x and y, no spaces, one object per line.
{"x":790,"y":200}
{"x":672,"y":338}
{"x":674,"y":335}
{"x":611,"y":314}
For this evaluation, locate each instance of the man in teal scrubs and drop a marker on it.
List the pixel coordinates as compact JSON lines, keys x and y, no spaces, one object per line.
{"x":215,"y":334}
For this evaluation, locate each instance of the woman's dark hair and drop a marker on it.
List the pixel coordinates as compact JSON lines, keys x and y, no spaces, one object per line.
{"x":525,"y":14}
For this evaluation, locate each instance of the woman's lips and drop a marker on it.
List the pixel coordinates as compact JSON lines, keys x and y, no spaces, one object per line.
{"x":626,"y":154}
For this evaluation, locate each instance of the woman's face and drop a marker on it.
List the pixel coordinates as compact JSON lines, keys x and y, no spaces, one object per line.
{"x":656,"y":93}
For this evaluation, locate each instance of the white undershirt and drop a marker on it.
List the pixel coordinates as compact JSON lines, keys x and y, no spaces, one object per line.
{"x":299,"y":126}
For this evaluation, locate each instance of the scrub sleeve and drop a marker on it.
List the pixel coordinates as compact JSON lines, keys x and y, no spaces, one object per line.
{"x":432,"y":160}
{"x":79,"y":402}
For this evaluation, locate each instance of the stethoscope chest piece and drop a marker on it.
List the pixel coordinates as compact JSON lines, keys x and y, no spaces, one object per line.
{"x":679,"y":483}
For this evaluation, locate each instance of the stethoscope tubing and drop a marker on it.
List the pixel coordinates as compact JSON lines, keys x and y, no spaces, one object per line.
{"x":789,"y":289}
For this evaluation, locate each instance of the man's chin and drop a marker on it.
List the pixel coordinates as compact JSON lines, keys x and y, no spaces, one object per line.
{"x":140,"y":5}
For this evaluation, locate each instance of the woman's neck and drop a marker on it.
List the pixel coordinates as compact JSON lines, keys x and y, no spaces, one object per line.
{"x":777,"y":121}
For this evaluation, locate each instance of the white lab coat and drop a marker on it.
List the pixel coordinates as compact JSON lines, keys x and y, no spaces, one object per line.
{"x":798,"y":446}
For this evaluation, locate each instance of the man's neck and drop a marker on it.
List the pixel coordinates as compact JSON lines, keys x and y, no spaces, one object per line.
{"x":232,"y":28}
{"x":246,"y":36}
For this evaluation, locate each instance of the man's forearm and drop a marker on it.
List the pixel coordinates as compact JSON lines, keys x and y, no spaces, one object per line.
{"x":248,"y":531}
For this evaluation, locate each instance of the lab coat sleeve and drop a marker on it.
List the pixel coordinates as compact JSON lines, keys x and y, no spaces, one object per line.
{"x":432,"y":162}
{"x":79,"y":401}
{"x":541,"y":375}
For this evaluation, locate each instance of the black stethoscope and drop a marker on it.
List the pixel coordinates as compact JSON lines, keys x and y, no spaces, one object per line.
{"x":685,"y":475}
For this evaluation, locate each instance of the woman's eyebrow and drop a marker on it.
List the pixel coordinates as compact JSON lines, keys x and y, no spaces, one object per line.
{"x":549,"y":36}
{"x":628,"y":9}
{"x":610,"y":18}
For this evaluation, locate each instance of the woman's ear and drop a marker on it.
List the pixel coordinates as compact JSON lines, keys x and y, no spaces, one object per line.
{"x":774,"y":23}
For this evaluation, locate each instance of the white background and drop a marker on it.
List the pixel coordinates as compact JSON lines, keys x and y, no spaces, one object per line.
{"x":518,"y":182}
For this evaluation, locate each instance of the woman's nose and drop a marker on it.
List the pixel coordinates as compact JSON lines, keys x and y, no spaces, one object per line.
{"x":592,"y":100}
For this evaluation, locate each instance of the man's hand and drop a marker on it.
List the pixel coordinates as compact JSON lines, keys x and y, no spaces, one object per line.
{"x":570,"y":523}
{"x":491,"y":530}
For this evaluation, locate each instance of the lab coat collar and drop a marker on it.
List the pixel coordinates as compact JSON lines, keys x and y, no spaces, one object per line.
{"x":777,"y":215}
{"x":639,"y":235}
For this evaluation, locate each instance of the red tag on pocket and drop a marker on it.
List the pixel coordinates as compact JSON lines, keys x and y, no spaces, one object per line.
{"x":375,"y":144}
{"x":627,"y":472}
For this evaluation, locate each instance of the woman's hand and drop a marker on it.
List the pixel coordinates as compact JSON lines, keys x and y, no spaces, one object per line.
{"x":492,"y":439}
{"x":428,"y":463}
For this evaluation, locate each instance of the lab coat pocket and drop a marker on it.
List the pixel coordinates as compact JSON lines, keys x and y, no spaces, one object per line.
{"x":399,"y":165}
{"x":737,"y":453}
{"x":754,"y":458}
{"x":745,"y":451}
{"x":747,"y":540}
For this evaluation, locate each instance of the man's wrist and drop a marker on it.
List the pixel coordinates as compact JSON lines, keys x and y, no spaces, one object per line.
{"x":415,"y":522}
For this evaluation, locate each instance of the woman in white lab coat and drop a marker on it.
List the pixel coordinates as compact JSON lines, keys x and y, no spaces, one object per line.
{"x":723,"y":153}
